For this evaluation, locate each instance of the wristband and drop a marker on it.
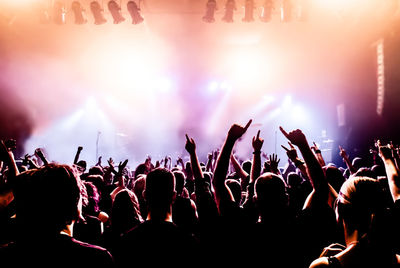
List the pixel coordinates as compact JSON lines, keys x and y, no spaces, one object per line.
{"x":298,"y":163}
{"x":257,"y":152}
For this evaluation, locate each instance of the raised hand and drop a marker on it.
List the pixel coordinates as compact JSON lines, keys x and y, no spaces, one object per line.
{"x":257,"y":142}
{"x":190,"y":145}
{"x":39,"y":153}
{"x":342,"y":152}
{"x":315,"y":148}
{"x":291,"y":153}
{"x":237,"y":131}
{"x":122,"y":166}
{"x":296,"y":137}
{"x":99,"y":161}
{"x":385,"y":151}
{"x":274,"y":162}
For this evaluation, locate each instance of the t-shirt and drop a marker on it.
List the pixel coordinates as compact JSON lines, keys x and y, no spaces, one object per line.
{"x":60,"y":251}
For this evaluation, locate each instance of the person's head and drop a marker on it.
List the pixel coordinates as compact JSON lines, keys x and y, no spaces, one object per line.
{"x":81,"y":165}
{"x":179,"y":181}
{"x":125,"y":212}
{"x":246,"y":165}
{"x":357,"y":163}
{"x":365,"y":172}
{"x":96,"y":170}
{"x":294,"y":180}
{"x":236,"y":189}
{"x":159,"y":191}
{"x":141,"y":169}
{"x":48,"y":198}
{"x":93,"y":198}
{"x":378,"y":170}
{"x":270,"y":193}
{"x":334,"y":177}
{"x":359,"y":200}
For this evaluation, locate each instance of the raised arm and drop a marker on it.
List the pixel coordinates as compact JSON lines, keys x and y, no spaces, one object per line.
{"x":346,"y":159}
{"x":257,"y":144}
{"x":292,"y":155}
{"x":239,"y":171}
{"x":78,"y":153}
{"x":7,"y":156}
{"x":39,"y":153}
{"x":392,"y":171}
{"x":222,"y":192}
{"x":315,"y":172}
{"x":318,"y":154}
{"x":190,"y":147}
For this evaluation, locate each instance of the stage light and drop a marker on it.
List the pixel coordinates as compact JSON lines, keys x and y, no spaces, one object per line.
{"x":286,"y":11}
{"x":115,"y":11}
{"x":58,"y":13}
{"x":134,"y":11}
{"x":230,"y":7}
{"x":79,"y":14}
{"x":248,"y":11}
{"x":266,"y":13}
{"x":210,"y":10}
{"x":97,"y":11}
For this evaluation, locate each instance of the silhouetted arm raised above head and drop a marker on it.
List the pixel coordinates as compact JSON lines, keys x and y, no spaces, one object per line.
{"x":190,"y":147}
{"x":346,"y":159}
{"x":322,"y":191}
{"x":78,"y":152}
{"x":7,"y":156}
{"x":222,"y":192}
{"x":257,"y":144}
{"x":392,"y":171}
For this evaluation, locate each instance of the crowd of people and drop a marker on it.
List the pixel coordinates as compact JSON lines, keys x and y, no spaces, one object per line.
{"x":225,"y":211}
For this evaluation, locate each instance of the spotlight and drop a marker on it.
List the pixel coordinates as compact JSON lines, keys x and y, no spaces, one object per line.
{"x":78,"y":13}
{"x":97,"y":11}
{"x":248,"y":11}
{"x":286,"y":11}
{"x":134,"y":11}
{"x":266,"y":13}
{"x":230,"y":7}
{"x":58,"y":13}
{"x":210,"y":10}
{"x":115,"y":12}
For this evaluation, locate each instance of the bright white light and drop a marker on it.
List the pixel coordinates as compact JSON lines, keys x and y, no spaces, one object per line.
{"x":287,"y":102}
{"x":299,"y":114}
{"x":213,"y":86}
{"x":163,"y":84}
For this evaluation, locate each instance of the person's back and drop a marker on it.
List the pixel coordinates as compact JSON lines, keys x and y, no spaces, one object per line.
{"x":158,"y":238}
{"x":48,"y":202}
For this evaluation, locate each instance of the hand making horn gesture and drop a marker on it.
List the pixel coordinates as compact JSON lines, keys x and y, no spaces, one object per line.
{"x":237,"y":131}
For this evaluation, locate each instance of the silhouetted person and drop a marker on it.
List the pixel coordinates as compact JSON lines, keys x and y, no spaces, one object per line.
{"x":48,"y":203}
{"x":157,"y":238}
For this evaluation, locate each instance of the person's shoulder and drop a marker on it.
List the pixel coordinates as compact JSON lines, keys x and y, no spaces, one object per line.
{"x":320,"y":263}
{"x":89,"y":249}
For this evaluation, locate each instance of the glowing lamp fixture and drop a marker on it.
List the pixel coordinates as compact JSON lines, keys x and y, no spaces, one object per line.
{"x":230,"y":7}
{"x":210,"y":10}
{"x":78,"y":10}
{"x":248,"y":11}
{"x":97,"y":11}
{"x":134,"y":11}
{"x":115,"y":11}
